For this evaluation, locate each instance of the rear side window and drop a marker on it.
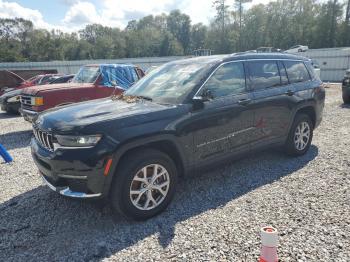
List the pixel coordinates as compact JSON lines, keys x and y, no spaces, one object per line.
{"x":134,"y":75}
{"x":283,"y":73}
{"x":229,"y":79}
{"x":311,"y":69}
{"x":140,"y":73}
{"x":296,"y":71}
{"x":263,"y":74}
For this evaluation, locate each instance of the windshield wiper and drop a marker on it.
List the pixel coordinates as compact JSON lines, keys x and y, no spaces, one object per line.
{"x":145,"y":98}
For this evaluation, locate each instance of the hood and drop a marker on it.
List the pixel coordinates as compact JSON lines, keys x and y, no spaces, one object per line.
{"x":9,"y":79}
{"x":33,"y":90}
{"x":76,"y":117}
{"x":12,"y":93}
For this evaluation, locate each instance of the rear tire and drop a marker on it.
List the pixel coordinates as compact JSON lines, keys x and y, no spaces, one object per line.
{"x":300,"y":136}
{"x":144,"y":184}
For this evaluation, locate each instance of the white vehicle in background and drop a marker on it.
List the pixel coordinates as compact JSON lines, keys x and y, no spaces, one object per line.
{"x":297,"y":49}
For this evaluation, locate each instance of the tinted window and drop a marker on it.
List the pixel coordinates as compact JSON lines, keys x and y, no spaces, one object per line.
{"x":44,"y":80}
{"x":283,"y":73}
{"x":140,"y":72}
{"x":263,"y":74}
{"x":134,"y":76}
{"x":311,"y":68}
{"x":228,"y":79}
{"x":296,"y":71}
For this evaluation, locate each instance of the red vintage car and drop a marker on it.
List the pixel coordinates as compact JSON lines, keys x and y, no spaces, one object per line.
{"x":40,"y":80}
{"x":91,"y":82}
{"x":10,"y":81}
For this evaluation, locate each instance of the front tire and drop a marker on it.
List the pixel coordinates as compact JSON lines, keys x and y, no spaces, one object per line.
{"x":144,"y":184}
{"x":300,"y":136}
{"x":346,"y":98}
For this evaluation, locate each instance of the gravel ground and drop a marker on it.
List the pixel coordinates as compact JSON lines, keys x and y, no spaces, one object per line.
{"x":214,"y":217}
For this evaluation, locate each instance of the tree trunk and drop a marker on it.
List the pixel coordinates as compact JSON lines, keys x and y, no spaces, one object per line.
{"x":333,"y":21}
{"x":347,"y":17}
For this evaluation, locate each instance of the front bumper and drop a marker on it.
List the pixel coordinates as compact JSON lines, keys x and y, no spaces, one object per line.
{"x":28,"y":115}
{"x":77,"y":173}
{"x":66,"y":191}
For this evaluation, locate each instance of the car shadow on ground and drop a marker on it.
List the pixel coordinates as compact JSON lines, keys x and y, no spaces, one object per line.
{"x":18,"y":139}
{"x":4,"y":115}
{"x":40,"y":225}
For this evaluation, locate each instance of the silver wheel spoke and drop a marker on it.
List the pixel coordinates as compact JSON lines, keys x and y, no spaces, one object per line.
{"x":154,"y":178}
{"x":137,"y":200}
{"x":147,"y":203}
{"x":150,"y":197}
{"x":163,"y":192}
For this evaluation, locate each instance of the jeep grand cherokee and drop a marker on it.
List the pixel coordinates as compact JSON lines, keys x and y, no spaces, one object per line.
{"x":182,"y":117}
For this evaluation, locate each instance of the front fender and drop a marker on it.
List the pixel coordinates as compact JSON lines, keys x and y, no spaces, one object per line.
{"x":136,"y":143}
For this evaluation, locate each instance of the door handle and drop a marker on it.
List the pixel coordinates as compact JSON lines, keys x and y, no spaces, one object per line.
{"x":244,"y":102}
{"x":289,"y":93}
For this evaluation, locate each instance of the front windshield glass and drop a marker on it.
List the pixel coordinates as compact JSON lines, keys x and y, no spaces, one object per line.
{"x":170,"y":83}
{"x":87,"y":74}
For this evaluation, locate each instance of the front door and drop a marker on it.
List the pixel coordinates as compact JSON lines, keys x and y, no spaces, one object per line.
{"x":224,"y":125}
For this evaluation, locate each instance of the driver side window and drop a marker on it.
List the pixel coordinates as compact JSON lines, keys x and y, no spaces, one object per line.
{"x":229,"y":79}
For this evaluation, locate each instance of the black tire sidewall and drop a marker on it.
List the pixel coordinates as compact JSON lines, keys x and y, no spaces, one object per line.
{"x":346,"y":98}
{"x":290,"y":145}
{"x":120,"y":195}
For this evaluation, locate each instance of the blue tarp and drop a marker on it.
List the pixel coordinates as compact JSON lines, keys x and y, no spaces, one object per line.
{"x":123,"y":76}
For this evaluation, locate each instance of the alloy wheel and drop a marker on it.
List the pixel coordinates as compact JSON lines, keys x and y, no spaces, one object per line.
{"x":302,"y":135}
{"x":149,"y":187}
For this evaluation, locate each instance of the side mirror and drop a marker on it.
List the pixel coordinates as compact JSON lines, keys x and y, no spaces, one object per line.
{"x":198,"y":103}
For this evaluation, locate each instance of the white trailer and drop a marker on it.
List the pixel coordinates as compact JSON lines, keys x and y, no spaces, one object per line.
{"x":332,"y":61}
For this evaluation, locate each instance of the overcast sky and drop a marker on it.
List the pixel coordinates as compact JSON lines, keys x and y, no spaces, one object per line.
{"x":71,"y":15}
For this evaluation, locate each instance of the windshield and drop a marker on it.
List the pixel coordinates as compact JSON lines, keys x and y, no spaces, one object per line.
{"x":87,"y":74}
{"x":170,"y":83}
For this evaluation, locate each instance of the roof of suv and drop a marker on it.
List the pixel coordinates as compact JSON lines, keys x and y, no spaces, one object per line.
{"x":110,"y":65}
{"x":239,"y":56}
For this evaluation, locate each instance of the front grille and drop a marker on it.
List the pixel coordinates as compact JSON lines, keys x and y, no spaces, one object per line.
{"x":26,"y":100}
{"x":44,"y":139}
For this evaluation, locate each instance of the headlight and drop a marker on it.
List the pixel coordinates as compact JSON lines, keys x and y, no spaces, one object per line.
{"x":13,"y":99}
{"x":78,"y":141}
{"x":37,"y":101}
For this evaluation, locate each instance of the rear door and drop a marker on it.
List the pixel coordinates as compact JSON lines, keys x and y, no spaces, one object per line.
{"x":273,"y":100}
{"x":224,"y":125}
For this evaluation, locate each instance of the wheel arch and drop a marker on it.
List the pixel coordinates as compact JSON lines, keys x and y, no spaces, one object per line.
{"x":307,"y":110}
{"x":165,"y":143}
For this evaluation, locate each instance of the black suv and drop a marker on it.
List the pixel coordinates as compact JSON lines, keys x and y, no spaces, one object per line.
{"x":346,"y":87}
{"x":182,"y":117}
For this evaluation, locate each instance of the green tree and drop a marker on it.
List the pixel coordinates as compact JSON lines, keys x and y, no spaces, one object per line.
{"x":221,"y":22}
{"x":238,"y":4}
{"x":198,"y":36}
{"x":180,"y":26}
